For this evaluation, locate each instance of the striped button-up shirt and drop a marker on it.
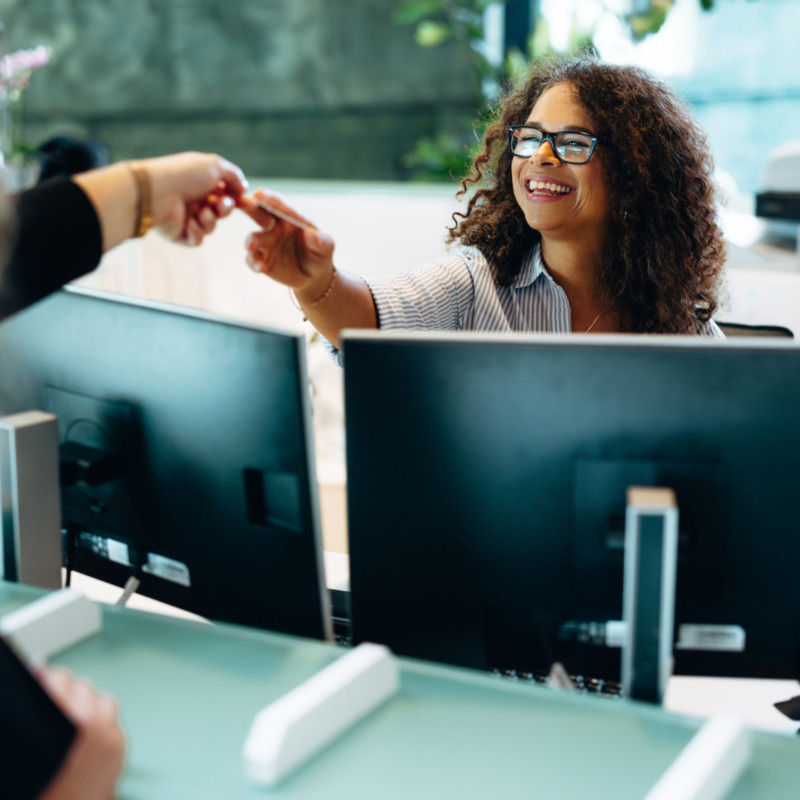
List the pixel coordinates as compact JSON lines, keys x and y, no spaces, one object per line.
{"x":459,"y":293}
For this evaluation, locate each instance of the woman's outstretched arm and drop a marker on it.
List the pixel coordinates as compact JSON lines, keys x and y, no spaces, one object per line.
{"x":302,"y":259}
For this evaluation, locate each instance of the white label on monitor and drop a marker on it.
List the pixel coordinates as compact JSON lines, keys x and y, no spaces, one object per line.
{"x":726,"y":638}
{"x":168,"y":569}
{"x":118,"y":551}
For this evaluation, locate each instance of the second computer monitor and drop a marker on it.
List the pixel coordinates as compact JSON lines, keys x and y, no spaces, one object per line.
{"x":187,"y":456}
{"x":486,"y":494}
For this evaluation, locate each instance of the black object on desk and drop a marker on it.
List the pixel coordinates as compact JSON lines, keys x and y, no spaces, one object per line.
{"x":486,"y":490}
{"x":34,"y":733}
{"x":790,"y":707}
{"x":190,"y":451}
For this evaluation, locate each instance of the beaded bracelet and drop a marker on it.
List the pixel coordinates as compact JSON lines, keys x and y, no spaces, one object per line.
{"x":319,"y":299}
{"x":326,"y":292}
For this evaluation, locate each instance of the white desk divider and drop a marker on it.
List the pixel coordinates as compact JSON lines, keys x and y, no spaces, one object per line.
{"x":290,"y":730}
{"x":30,"y":496}
{"x":49,"y":625}
{"x":709,"y":766}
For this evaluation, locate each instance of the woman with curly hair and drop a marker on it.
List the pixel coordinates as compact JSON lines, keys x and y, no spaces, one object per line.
{"x":593,"y":212}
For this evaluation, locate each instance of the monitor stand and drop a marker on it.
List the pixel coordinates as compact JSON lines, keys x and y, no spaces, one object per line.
{"x":648,"y":602}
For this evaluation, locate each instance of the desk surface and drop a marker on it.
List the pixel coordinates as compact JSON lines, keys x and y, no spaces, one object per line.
{"x":189,"y":691}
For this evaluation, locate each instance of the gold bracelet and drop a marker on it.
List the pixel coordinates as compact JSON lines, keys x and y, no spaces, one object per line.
{"x":318,"y":300}
{"x":144,"y":199}
{"x":327,"y":291}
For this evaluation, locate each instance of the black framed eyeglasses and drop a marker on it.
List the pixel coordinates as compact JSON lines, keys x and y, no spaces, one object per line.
{"x":571,"y":147}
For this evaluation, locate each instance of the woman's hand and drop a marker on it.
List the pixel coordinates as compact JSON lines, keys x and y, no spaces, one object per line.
{"x":94,"y":761}
{"x":300,"y":258}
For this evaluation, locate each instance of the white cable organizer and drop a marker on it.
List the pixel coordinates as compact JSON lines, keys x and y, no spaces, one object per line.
{"x":710,"y":765}
{"x":50,"y":624}
{"x":296,"y":726}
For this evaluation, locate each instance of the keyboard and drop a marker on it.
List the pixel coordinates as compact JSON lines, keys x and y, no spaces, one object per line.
{"x":582,"y":684}
{"x":342,"y":632}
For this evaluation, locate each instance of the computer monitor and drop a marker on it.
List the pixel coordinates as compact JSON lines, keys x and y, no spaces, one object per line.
{"x":186,"y":453}
{"x":486,"y":492}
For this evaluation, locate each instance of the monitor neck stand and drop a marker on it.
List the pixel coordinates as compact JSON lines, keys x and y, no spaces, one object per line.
{"x":648,"y":603}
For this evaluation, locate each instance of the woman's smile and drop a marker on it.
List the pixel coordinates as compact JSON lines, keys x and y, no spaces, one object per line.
{"x":546,"y":189}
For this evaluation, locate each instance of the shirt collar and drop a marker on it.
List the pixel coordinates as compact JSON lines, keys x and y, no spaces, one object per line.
{"x":533,"y":268}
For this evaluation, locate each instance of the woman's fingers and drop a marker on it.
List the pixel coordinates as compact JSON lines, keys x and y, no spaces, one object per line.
{"x":318,"y":244}
{"x":276,"y":253}
{"x":292,"y":254}
{"x":260,"y":241}
{"x":255,"y":212}
{"x":253,"y":262}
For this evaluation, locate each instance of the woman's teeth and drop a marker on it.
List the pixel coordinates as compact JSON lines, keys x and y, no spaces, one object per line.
{"x":545,"y":186}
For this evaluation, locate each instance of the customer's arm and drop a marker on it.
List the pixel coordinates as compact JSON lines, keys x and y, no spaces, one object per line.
{"x":61,"y":228}
{"x":190,"y":191}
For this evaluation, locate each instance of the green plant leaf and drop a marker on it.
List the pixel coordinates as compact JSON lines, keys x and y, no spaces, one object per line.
{"x":444,"y":155}
{"x":410,"y":13}
{"x":581,"y":40}
{"x":473,"y":31}
{"x":516,"y":64}
{"x":485,"y":70}
{"x":482,"y":5}
{"x":440,"y":157}
{"x":649,"y":22}
{"x":429,"y":34}
{"x":539,"y":40}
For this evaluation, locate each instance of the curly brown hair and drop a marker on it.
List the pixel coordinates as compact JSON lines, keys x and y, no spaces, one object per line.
{"x":664,"y":253}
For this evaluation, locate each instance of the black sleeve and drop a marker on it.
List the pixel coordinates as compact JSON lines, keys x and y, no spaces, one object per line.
{"x":58,"y":239}
{"x":34,"y":734}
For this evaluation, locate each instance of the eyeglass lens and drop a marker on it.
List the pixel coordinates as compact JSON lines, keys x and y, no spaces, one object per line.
{"x":570,"y":146}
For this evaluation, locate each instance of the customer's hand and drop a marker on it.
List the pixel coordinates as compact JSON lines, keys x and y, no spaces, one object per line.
{"x":94,"y":761}
{"x":299,"y":258}
{"x":191,"y":191}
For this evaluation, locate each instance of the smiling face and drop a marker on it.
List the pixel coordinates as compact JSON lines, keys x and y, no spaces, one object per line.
{"x":558,"y":199}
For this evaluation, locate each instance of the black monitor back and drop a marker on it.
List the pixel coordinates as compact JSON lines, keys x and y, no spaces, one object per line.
{"x":205,"y":423}
{"x":486,"y":493}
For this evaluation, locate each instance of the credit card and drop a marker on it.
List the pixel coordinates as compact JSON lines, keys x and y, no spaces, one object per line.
{"x":282,"y":215}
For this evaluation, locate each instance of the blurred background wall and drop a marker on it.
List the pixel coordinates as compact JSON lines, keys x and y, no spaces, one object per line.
{"x":346,"y":89}
{"x":301,"y":88}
